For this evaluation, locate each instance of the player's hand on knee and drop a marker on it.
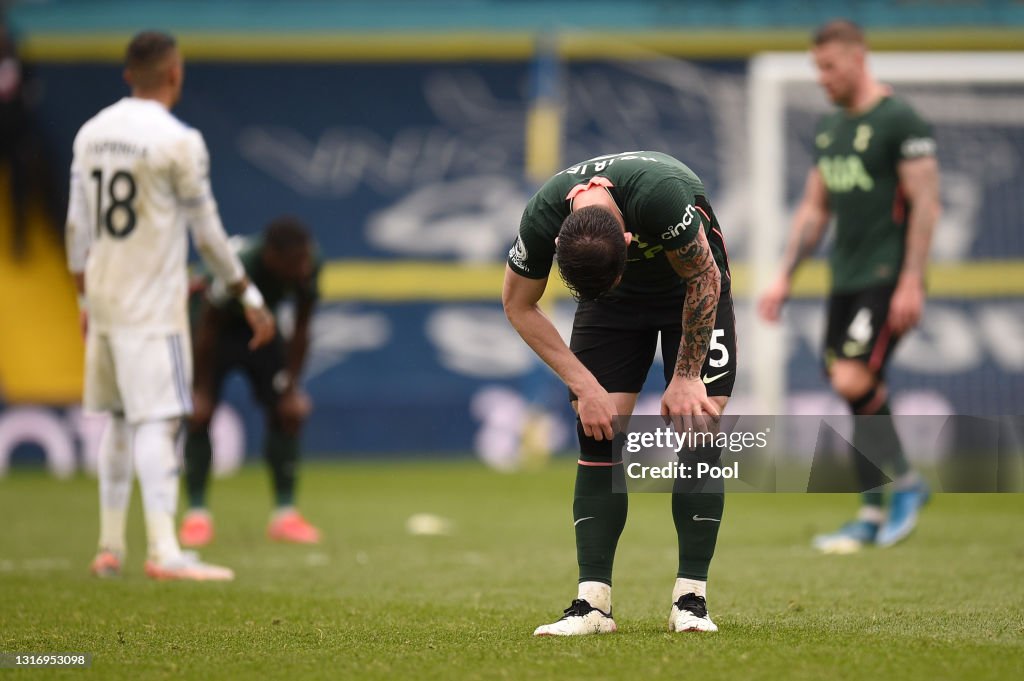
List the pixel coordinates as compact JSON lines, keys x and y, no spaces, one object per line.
{"x":687,"y":405}
{"x":293,"y":409}
{"x":262,"y":324}
{"x":597,"y":414}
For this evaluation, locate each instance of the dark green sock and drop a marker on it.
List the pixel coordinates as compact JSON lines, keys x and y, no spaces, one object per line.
{"x":599,"y":516}
{"x":697,"y":507}
{"x":876,"y":437}
{"x":282,"y":454}
{"x":198,"y":456}
{"x":698,"y":517}
{"x":895,"y":459}
{"x":872,"y":499}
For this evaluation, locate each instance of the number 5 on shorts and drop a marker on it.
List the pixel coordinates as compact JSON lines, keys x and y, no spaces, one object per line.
{"x":723,"y":358}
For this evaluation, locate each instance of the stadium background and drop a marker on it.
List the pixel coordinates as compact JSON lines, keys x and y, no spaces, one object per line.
{"x":409,"y":135}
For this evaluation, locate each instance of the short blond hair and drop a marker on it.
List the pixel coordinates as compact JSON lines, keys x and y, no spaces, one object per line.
{"x":839,"y":31}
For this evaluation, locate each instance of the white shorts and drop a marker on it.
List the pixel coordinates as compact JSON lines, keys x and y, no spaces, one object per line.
{"x":145,"y":376}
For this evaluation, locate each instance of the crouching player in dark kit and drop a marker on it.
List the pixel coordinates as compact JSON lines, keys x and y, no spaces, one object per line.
{"x":284,"y":263}
{"x":638,"y":244}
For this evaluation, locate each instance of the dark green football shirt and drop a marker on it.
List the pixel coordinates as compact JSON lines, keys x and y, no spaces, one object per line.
{"x":858,"y":157}
{"x":273,"y":289}
{"x":662,"y":201}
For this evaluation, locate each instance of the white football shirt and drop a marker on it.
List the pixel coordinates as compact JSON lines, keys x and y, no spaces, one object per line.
{"x":139,"y":179}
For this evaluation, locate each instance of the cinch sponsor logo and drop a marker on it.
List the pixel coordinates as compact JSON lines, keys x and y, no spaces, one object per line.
{"x":674,"y":230}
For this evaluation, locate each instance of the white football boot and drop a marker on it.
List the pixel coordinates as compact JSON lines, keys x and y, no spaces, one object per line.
{"x":850,"y":538}
{"x":580,"y":619}
{"x":107,"y":563}
{"x":690,"y":613}
{"x":187,"y":566}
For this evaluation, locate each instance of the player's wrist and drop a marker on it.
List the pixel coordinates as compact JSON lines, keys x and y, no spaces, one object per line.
{"x":251,"y":297}
{"x":285,"y":383}
{"x":588,"y":390}
{"x":911,"y":277}
{"x":682,"y":378}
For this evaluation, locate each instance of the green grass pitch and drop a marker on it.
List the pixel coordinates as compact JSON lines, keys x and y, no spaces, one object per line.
{"x":375,"y":602}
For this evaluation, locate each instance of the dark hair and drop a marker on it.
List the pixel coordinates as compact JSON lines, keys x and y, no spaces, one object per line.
{"x":286,"y":234}
{"x":145,"y":54}
{"x":591,"y":252}
{"x":839,"y":30}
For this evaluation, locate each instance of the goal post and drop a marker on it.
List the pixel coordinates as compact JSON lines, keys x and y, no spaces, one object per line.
{"x":770,"y":75}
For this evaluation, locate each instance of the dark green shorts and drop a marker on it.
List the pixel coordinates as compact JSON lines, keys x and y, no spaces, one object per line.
{"x":616,"y":340}
{"x":264,"y":367}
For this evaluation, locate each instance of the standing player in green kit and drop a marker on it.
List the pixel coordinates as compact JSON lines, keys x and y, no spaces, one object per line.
{"x":877,"y":173}
{"x":284,"y":262}
{"x":638,"y":244}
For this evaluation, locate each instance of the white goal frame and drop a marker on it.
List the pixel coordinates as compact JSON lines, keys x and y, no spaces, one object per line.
{"x":769,"y":74}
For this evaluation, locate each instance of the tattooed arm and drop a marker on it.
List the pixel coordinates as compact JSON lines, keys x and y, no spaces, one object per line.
{"x":686,"y":395}
{"x":696,"y":265}
{"x":809,"y":224}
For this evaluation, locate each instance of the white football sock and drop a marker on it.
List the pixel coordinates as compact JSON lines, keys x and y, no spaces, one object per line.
{"x":689,"y":586}
{"x":907,"y":480}
{"x":156,"y":464}
{"x":282,"y":511}
{"x":115,"y":474}
{"x":871,"y":514}
{"x":598,"y":594}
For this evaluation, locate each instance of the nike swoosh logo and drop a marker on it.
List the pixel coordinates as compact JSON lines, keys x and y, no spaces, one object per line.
{"x":589,"y":517}
{"x":698,"y":518}
{"x":712,"y":379}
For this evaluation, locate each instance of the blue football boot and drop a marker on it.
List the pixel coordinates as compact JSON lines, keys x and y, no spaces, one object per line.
{"x":903,"y":510}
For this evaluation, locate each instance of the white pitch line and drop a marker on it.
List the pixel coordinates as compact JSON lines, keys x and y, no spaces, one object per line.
{"x":34,"y":564}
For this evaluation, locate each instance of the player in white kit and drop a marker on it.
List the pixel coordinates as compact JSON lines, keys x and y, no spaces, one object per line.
{"x":139,"y":181}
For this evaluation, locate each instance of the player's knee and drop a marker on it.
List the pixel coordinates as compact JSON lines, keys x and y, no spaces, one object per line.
{"x":119,"y":425}
{"x":705,"y":455}
{"x":203,"y":407}
{"x":591,"y":450}
{"x":288,"y":426}
{"x":199,"y":421}
{"x":149,"y":434}
{"x":869,"y":402}
{"x":851,"y":379}
{"x":291,"y":410}
{"x":289,"y":420}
